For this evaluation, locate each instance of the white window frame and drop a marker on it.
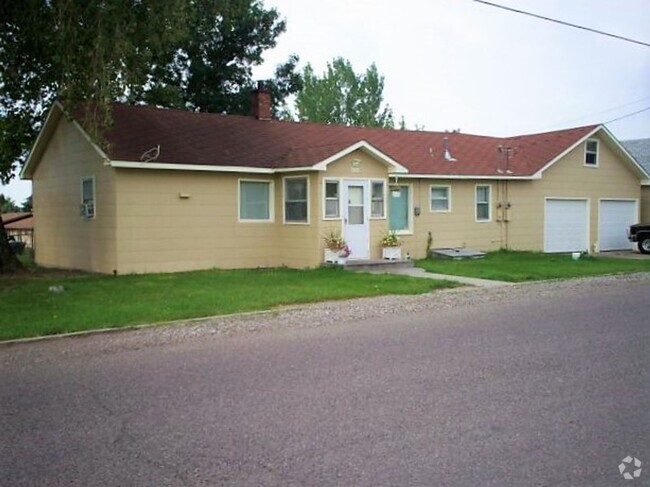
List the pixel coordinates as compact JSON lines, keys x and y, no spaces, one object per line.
{"x":489,"y":203}
{"x":94,"y":200}
{"x":409,"y":230}
{"x":591,"y":152}
{"x":284,"y":200}
{"x":440,"y":186}
{"x":271,"y":184}
{"x":383,"y":216}
{"x":338,"y":182}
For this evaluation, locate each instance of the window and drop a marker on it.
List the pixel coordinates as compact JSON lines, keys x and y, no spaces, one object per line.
{"x":332,"y":200}
{"x":591,"y":153}
{"x":399,"y":214}
{"x":377,"y":200}
{"x":439,"y":200}
{"x":88,"y":197}
{"x":255,"y":200}
{"x":295,"y":200}
{"x":482,"y":203}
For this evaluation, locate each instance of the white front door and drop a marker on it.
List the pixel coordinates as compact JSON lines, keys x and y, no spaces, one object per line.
{"x":356,"y":221}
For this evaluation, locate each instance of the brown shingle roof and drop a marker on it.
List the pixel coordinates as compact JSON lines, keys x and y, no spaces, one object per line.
{"x":12,"y":217}
{"x":232,"y":140}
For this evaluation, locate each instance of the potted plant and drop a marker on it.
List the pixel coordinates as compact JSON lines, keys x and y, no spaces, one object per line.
{"x":336,"y":249}
{"x":391,"y":249}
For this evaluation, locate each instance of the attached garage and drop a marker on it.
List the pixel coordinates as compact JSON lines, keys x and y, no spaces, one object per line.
{"x":614,"y":218}
{"x":566,"y":223}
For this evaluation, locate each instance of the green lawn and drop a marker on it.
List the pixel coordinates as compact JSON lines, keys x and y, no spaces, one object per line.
{"x":532,"y":266}
{"x":28,"y":308}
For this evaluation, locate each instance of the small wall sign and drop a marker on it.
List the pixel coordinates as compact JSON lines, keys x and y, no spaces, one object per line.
{"x":356,"y":165}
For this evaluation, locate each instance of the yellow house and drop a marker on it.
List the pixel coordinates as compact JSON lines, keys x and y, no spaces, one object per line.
{"x":179,"y":191}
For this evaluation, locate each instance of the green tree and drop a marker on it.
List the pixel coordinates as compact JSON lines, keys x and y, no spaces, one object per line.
{"x":27,"y":204}
{"x":7,"y":205}
{"x":194,"y":54}
{"x":210,"y":69}
{"x":340,"y":96}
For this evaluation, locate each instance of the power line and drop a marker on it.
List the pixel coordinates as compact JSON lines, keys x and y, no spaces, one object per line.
{"x":627,"y":39}
{"x":628,"y":115}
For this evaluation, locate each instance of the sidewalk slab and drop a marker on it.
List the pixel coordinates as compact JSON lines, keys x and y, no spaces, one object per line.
{"x":470,"y":281}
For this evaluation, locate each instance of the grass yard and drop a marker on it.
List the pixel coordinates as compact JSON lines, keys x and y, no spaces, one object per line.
{"x":532,"y":266}
{"x":28,"y":308}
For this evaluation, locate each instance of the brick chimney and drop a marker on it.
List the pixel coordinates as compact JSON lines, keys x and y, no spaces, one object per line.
{"x":261,"y":102}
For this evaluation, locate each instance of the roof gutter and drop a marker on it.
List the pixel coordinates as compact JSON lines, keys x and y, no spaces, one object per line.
{"x":203,"y":167}
{"x":466,"y":176}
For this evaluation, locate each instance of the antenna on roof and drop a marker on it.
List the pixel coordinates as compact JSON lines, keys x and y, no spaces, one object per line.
{"x":150,"y":155}
{"x":447,"y":154}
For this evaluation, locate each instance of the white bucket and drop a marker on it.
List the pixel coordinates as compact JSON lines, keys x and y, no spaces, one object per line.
{"x":575,"y":255}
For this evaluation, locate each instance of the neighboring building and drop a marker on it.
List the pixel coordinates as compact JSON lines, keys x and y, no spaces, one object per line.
{"x":178,"y":190}
{"x":20,"y":226}
{"x":640,"y":150}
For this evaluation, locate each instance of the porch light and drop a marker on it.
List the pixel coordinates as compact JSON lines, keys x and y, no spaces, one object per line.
{"x":395,"y":191}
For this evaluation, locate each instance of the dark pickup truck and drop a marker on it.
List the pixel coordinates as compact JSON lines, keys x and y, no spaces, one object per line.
{"x":640,"y":233}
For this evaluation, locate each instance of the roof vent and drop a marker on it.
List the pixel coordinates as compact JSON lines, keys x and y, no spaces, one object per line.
{"x":447,"y":155}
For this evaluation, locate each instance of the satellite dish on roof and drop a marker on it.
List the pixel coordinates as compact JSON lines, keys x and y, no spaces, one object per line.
{"x":150,"y":155}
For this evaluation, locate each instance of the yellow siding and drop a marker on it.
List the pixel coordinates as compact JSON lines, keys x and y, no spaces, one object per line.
{"x":568,"y":178}
{"x":645,"y":204}
{"x":160,"y":231}
{"x":457,"y":228}
{"x":62,"y":238}
{"x":166,"y":221}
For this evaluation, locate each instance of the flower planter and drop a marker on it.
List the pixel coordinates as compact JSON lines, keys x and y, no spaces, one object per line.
{"x":332,"y":256}
{"x":391,"y":253}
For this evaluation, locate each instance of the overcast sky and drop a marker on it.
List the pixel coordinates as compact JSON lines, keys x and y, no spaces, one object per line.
{"x":451,"y":64}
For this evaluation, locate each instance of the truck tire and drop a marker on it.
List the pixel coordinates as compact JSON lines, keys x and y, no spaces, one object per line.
{"x":644,"y":244}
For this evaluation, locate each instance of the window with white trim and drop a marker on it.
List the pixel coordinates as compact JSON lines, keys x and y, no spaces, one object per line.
{"x":255,"y":200}
{"x":377,"y":206}
{"x":591,"y":152}
{"x":296,"y":194}
{"x":483,"y":203}
{"x":332,"y":203}
{"x":439,"y":198}
{"x":88,"y":197}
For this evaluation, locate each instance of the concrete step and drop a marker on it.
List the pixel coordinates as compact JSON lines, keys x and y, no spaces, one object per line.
{"x":377,"y":265}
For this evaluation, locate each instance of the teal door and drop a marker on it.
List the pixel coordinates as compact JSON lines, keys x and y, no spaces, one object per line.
{"x":398,"y":209}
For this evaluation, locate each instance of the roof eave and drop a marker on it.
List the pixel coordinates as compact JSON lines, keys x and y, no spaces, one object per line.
{"x":499,"y":177}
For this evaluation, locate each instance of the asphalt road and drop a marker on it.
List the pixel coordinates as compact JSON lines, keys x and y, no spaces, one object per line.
{"x":551,"y":390}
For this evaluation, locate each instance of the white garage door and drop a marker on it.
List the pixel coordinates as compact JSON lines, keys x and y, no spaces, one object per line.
{"x":615,"y":216}
{"x":565,"y":225}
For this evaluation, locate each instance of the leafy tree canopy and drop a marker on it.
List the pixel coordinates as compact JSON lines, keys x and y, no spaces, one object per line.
{"x":27,"y":204}
{"x":340,"y":96}
{"x":192,"y":54}
{"x":7,"y":205}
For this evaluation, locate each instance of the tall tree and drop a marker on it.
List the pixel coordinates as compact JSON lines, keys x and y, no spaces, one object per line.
{"x":341,"y":96}
{"x":7,"y":205}
{"x":210,"y":69}
{"x":75,"y":50}
{"x":194,"y":54}
{"x":27,"y":204}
